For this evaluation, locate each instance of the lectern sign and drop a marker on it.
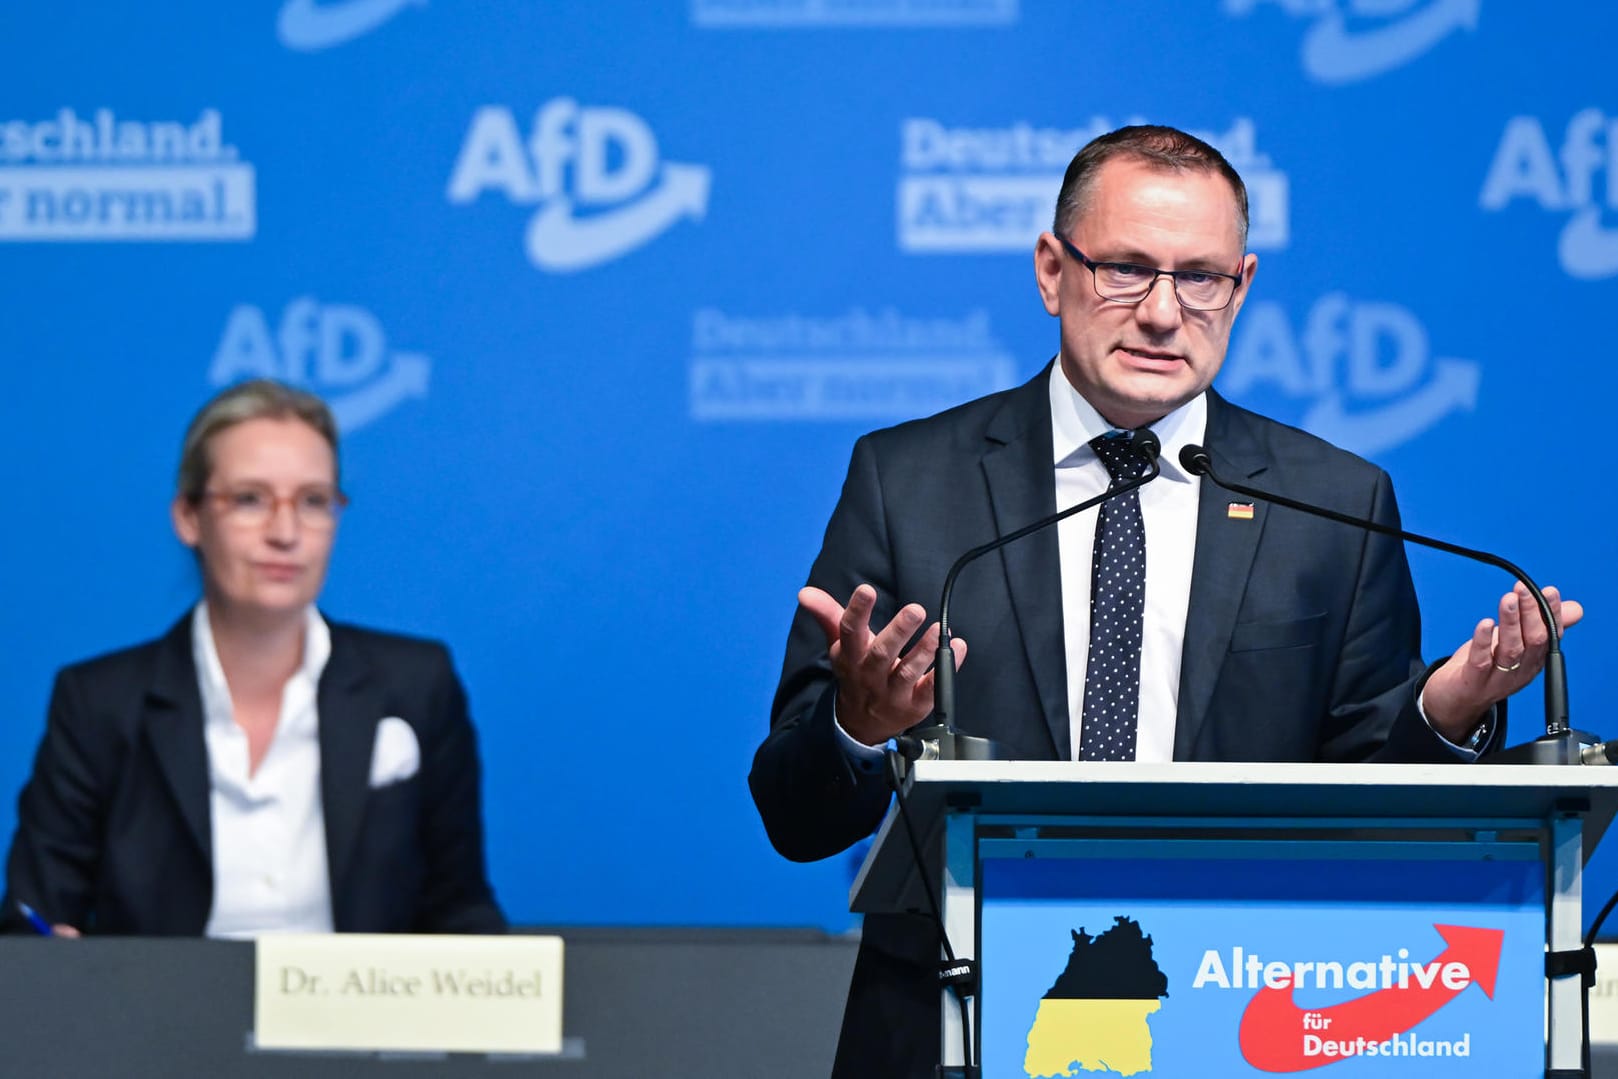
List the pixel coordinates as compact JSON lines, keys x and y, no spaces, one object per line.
{"x":1375,"y":1024}
{"x":1101,"y":965}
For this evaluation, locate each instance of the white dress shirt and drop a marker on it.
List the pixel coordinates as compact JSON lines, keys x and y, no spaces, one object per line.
{"x":1168,"y":507}
{"x":268,"y":827}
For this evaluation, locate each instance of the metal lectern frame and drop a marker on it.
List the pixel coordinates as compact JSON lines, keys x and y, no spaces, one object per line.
{"x":959,"y":806}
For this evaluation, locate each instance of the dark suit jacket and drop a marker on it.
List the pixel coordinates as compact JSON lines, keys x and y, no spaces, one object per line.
{"x":113,"y":832}
{"x":1301,"y":642}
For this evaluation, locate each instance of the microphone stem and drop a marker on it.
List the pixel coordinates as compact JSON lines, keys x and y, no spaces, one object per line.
{"x":944,"y":659}
{"x":1556,"y":709}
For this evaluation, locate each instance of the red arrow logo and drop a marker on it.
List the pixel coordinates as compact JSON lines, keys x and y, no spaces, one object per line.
{"x":1274,"y":1029}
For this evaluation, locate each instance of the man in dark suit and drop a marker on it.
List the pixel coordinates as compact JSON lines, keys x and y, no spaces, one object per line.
{"x":1270,"y":636}
{"x":114,"y":829}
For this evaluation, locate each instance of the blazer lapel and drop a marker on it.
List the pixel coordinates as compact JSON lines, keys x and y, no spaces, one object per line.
{"x":350,"y":708}
{"x":172,"y":721}
{"x":1226,"y":543}
{"x":1020,"y":473}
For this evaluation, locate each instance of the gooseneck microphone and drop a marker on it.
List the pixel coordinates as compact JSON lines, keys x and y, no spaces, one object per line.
{"x":1560,"y":744}
{"x":941,"y":739}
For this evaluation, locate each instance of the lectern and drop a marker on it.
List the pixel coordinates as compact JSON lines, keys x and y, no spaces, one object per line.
{"x":1254,"y":919}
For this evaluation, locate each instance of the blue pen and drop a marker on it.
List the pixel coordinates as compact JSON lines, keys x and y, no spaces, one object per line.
{"x":40,"y":925}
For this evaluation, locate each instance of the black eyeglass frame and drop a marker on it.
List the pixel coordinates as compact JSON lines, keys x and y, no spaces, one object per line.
{"x":1173,"y":275}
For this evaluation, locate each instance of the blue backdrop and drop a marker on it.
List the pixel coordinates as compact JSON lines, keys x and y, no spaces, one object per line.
{"x":604,"y":291}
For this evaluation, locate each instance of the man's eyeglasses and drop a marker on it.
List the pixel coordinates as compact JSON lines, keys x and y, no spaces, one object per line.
{"x":253,"y":505}
{"x":1127,"y":282}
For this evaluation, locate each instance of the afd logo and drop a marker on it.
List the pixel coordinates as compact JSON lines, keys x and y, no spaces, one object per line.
{"x":336,"y":349}
{"x":1363,"y":370}
{"x":1392,"y":1012}
{"x":312,"y":25}
{"x":1352,"y":40}
{"x":852,"y":13}
{"x":1525,"y":167}
{"x":594,"y":176}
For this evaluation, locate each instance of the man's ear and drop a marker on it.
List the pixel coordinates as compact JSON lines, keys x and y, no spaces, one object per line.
{"x":1048,"y":266}
{"x":1249,"y":271}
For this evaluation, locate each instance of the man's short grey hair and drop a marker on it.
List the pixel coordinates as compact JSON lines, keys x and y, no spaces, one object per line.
{"x":1161,"y":147}
{"x":258,"y":399}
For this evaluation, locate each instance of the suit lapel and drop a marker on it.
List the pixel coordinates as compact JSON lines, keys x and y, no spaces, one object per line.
{"x":1020,"y":473}
{"x":172,"y":720}
{"x":350,"y":707}
{"x":1225,"y":548}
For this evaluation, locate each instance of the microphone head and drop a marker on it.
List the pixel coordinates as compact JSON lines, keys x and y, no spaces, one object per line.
{"x":1145,"y":443}
{"x":1195,"y":460}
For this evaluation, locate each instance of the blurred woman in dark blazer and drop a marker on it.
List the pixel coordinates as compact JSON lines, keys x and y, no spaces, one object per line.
{"x":258,"y":768}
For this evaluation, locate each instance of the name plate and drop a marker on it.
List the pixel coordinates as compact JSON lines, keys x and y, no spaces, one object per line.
{"x":1604,"y":997}
{"x":408,"y":993}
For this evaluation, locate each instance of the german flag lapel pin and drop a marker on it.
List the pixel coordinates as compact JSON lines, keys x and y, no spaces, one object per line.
{"x":1239,"y":511}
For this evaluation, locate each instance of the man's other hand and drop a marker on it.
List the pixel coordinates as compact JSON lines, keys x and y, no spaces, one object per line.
{"x":1500,"y":658}
{"x":883,"y":689}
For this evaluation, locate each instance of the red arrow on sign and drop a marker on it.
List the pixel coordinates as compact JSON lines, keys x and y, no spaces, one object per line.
{"x":1272,"y":1029}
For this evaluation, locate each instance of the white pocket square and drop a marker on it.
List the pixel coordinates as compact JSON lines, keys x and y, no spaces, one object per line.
{"x":395,"y":756}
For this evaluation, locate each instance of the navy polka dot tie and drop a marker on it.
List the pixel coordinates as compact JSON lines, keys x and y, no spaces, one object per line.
{"x":1117,"y":608}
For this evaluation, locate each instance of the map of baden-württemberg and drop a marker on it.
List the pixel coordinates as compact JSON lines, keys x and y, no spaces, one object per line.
{"x":1094,"y":1018}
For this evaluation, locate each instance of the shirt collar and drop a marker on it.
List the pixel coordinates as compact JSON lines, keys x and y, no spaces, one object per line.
{"x":211,"y":675}
{"x":1075,"y":421}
